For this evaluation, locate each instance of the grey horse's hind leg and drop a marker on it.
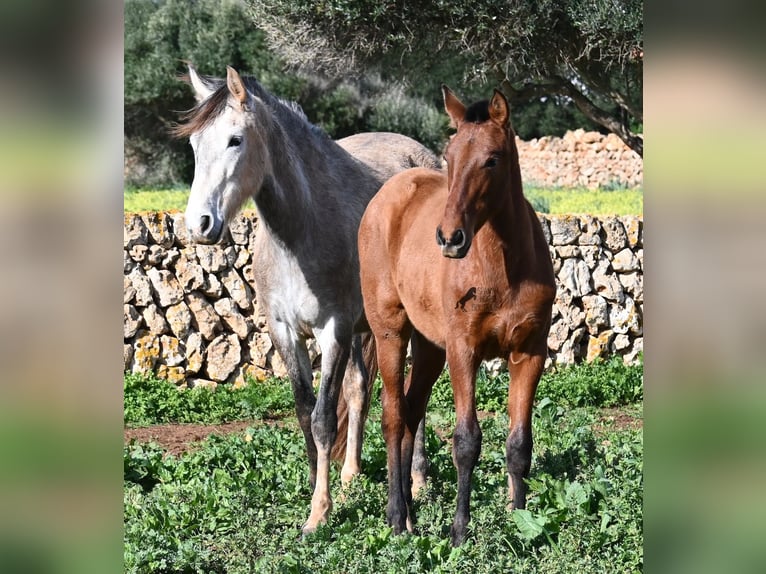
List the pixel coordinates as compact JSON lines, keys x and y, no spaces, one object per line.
{"x":335,"y":342}
{"x":419,"y":460}
{"x":355,"y":393}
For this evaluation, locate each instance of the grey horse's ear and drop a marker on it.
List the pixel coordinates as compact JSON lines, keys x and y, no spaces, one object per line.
{"x":454,"y":107}
{"x":202,"y":91}
{"x":236,"y":86}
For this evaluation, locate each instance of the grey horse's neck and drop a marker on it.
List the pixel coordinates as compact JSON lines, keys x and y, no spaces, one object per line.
{"x":297,"y":151}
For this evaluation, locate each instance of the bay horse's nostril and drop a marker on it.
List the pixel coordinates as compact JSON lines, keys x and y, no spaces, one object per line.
{"x":458,"y":238}
{"x":439,"y":237}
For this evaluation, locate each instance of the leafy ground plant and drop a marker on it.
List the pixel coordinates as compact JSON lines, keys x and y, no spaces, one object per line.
{"x":149,"y":400}
{"x":236,"y":503}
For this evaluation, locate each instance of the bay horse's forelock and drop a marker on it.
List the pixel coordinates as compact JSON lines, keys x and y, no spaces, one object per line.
{"x":494,"y":301}
{"x":310,"y":194}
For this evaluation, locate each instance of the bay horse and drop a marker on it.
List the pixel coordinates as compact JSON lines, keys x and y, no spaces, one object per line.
{"x":457,"y":264}
{"x":310,"y":193}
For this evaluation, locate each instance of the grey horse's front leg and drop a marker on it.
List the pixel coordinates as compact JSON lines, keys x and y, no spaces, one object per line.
{"x":295,"y":355}
{"x":335,"y":343}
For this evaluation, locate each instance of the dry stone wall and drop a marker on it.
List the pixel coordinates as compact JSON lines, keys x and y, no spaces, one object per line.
{"x":191,"y":312}
{"x":579,"y":159}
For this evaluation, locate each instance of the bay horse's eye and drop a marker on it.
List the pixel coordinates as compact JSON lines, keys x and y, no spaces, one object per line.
{"x":491,"y":162}
{"x":235,"y":141}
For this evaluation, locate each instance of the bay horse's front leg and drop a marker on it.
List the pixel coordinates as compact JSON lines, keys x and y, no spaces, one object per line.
{"x":335,"y":343}
{"x":466,"y":444}
{"x":525,"y":373}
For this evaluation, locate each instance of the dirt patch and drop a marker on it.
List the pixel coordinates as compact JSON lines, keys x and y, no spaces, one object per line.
{"x":179,"y":438}
{"x":616,"y":419}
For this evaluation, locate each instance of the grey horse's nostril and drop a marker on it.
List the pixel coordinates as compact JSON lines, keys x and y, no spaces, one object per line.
{"x":206,"y":224}
{"x":458,"y":238}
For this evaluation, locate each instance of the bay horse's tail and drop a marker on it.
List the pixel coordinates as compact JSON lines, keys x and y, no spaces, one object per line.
{"x":371,"y":363}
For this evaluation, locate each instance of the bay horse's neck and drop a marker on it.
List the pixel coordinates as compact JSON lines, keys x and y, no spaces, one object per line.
{"x":510,"y":225}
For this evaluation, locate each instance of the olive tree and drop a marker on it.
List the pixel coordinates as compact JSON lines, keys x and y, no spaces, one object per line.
{"x":587,"y":52}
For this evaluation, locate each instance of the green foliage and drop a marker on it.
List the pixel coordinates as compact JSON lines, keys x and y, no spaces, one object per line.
{"x":159,"y":37}
{"x":237,"y":502}
{"x":600,"y":383}
{"x":149,"y":400}
{"x":539,"y":201}
{"x":395,"y":111}
{"x":548,"y":117}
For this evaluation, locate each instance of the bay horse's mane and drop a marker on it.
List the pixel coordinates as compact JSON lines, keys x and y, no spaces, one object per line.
{"x":206,"y":111}
{"x":477,"y":113}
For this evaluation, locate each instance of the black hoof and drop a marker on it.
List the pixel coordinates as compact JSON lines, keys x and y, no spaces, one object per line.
{"x":457,"y":535}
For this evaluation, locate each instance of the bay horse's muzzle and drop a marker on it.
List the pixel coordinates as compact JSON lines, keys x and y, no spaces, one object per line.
{"x":456,"y":246}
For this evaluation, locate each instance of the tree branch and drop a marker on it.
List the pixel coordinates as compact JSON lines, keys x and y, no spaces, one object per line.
{"x":562,"y":87}
{"x":635,"y":142}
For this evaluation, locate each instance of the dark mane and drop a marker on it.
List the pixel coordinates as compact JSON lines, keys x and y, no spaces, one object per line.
{"x":205,"y":112}
{"x":477,"y":112}
{"x":201,"y":115}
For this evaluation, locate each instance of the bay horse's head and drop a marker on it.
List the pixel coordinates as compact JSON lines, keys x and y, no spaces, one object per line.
{"x":230,"y":154}
{"x":479,"y":162}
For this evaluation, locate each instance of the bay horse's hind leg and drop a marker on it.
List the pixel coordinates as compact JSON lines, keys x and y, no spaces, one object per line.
{"x":392,"y":348}
{"x":355,"y":393}
{"x":427,"y":365}
{"x":525,"y":375}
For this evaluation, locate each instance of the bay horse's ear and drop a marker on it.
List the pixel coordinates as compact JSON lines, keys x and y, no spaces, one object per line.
{"x":236,"y":87}
{"x":499,"y":110}
{"x":201,"y":90}
{"x":454,"y":107}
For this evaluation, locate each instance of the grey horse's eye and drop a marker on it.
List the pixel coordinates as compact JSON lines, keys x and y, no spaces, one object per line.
{"x":235,"y":141}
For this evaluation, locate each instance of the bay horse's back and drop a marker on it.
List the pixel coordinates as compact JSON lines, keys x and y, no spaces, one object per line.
{"x":410,"y":194}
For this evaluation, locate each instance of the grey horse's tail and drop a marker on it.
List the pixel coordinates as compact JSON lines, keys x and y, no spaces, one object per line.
{"x":371,"y":363}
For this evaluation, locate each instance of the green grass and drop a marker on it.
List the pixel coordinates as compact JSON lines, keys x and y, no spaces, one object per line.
{"x":553,"y":201}
{"x":582,"y":201}
{"x":136,"y":200}
{"x":236,"y":504}
{"x":148,"y":400}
